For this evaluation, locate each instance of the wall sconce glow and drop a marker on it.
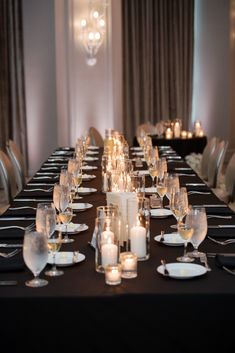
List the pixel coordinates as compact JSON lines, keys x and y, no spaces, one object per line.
{"x":93,"y":29}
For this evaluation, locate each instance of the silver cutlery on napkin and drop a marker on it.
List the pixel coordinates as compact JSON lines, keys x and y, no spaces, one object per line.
{"x":10,"y":254}
{"x":40,"y":184}
{"x":185,"y":174}
{"x":8,"y":283}
{"x":21,"y":208}
{"x":43,"y":190}
{"x":221,"y":226}
{"x":212,"y":206}
{"x":35,"y":200}
{"x":199,"y":192}
{"x":218,"y":216}
{"x":195,"y":184}
{"x":17,"y":218}
{"x":224,"y":242}
{"x":4,"y":245}
{"x":29,"y":227}
{"x":232,"y":272}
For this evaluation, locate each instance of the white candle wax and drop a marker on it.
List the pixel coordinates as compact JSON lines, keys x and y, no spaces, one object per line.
{"x":107,"y":237}
{"x":138,"y":241}
{"x":105,"y":182}
{"x":169,"y":133}
{"x":177,"y":130}
{"x":113,"y":274}
{"x":109,"y":254}
{"x":129,"y":264}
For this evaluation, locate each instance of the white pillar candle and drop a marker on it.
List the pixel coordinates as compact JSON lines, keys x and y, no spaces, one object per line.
{"x":109,"y":254}
{"x":113,"y":274}
{"x":177,"y":129}
{"x":105,"y":183}
{"x":169,"y":133}
{"x":138,"y":241}
{"x":107,"y":237}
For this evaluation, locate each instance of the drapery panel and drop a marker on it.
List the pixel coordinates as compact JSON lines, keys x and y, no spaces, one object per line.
{"x":157,"y":61}
{"x":12,"y":90}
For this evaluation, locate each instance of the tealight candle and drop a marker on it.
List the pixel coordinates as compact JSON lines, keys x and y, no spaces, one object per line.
{"x":138,"y":241}
{"x":201,"y":133}
{"x":109,"y":254}
{"x":183,"y":134}
{"x":129,"y":264}
{"x":113,"y":274}
{"x":190,"y":135}
{"x":169,"y":133}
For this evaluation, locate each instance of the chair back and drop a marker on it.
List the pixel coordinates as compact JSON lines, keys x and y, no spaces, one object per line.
{"x":230,"y":178}
{"x":206,"y":155}
{"x":17,"y":162}
{"x":147,"y":128}
{"x":95,"y":137}
{"x":215,"y":163}
{"x":7,"y":177}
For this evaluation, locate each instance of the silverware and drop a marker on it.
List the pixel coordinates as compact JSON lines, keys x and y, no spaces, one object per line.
{"x":221,"y":226}
{"x":55,"y":164}
{"x":48,"y":168}
{"x":183,"y":168}
{"x":184,"y":174}
{"x":29,"y":227}
{"x":35,"y":200}
{"x":17,"y":218}
{"x":48,"y":173}
{"x":225,"y":242}
{"x":199,"y":192}
{"x":162,"y":235}
{"x":195,"y":184}
{"x":203,"y":259}
{"x":10,"y":254}
{"x":232,"y":272}
{"x":40,"y":184}
{"x":4,"y":245}
{"x":166,"y":272}
{"x":8,"y":283}
{"x":218,"y":216}
{"x":43,"y":190}
{"x":211,"y":206}
{"x":44,"y":177}
{"x":21,"y":208}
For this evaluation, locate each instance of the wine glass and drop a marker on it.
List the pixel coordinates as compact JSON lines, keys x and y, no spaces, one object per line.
{"x":162,"y":188}
{"x":35,"y":253}
{"x":197,"y":216}
{"x":179,"y":205}
{"x":46,"y":219}
{"x":153,"y":170}
{"x":172,"y":183}
{"x":185,"y":230}
{"x":66,"y":217}
{"x":77,"y":180}
{"x":54,"y":245}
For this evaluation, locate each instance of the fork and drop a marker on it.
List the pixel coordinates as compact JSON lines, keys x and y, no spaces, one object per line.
{"x":199,"y":192}
{"x":10,"y":254}
{"x":225,"y":242}
{"x":29,"y":227}
{"x":21,"y":208}
{"x":218,"y":216}
{"x":232,"y":272}
{"x":44,"y":190}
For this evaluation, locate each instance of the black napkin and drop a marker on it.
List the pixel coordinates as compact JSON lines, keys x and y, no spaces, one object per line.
{"x":221,"y":232}
{"x":15,"y":263}
{"x":11,"y":234}
{"x":227,"y":260}
{"x":219,"y":211}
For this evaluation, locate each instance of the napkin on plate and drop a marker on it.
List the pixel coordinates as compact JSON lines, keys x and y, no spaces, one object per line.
{"x":15,"y":263}
{"x":225,"y":260}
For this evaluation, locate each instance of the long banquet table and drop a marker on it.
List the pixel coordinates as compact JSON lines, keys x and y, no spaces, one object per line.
{"x":78,"y":312}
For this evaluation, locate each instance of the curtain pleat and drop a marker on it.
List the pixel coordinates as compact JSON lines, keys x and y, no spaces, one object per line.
{"x":157,"y":61}
{"x":12,"y":89}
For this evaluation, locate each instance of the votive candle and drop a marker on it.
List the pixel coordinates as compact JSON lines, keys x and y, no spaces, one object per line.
{"x":129,"y":264}
{"x":113,"y":274}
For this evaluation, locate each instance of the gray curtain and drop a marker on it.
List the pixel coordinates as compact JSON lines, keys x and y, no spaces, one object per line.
{"x":12,"y":91}
{"x":157,"y":61}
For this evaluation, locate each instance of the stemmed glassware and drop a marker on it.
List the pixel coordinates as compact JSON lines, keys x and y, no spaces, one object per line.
{"x":66,"y":217}
{"x":161,"y":189}
{"x":198,"y":219}
{"x":185,"y":230}
{"x":153,"y":170}
{"x":54,"y":245}
{"x":35,"y":253}
{"x":179,"y":205}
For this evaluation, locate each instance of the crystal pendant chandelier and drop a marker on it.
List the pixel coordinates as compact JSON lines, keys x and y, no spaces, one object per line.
{"x":93,"y":29}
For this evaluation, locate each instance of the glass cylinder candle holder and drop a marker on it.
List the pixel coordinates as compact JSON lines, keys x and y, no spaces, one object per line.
{"x":107,"y":242}
{"x":138,"y":226}
{"x":169,"y":133}
{"x":128,"y":262}
{"x":113,"y":274}
{"x":183,"y":134}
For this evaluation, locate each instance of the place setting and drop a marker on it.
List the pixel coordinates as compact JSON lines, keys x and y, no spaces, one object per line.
{"x":80,"y":206}
{"x":66,"y":258}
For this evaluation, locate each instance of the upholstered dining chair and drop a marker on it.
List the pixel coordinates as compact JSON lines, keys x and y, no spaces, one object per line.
{"x":8,"y":179}
{"x":16,"y":158}
{"x":206,"y":155}
{"x":215,"y":163}
{"x":95,"y":137}
{"x":146,"y":128}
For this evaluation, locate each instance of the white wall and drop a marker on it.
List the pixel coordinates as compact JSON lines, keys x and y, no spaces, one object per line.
{"x":39,"y":55}
{"x":211,"y":86}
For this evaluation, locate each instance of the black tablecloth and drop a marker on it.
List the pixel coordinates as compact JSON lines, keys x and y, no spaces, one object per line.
{"x":78,"y":312}
{"x":182,"y":146}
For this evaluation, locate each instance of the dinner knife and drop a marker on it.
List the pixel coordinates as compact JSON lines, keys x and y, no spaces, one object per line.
{"x":221,"y":226}
{"x":195,"y":184}
{"x":40,"y":184}
{"x":213,"y":254}
{"x":8,"y":283}
{"x":35,"y":200}
{"x":210,"y":206}
{"x":11,"y":245}
{"x":17,"y":218}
